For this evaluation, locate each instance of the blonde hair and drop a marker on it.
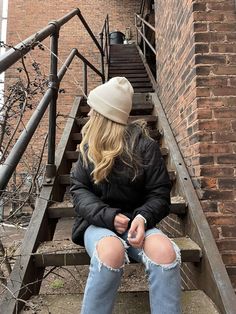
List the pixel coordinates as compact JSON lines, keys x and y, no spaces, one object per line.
{"x":105,"y":140}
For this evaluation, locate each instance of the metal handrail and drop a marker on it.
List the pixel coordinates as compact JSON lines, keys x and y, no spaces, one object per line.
{"x":142,"y":33}
{"x":50,"y":96}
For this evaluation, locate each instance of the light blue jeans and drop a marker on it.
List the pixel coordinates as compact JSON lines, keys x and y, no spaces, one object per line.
{"x":103,"y":281}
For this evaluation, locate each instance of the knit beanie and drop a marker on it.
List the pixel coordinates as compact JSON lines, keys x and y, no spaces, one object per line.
{"x":113,"y":99}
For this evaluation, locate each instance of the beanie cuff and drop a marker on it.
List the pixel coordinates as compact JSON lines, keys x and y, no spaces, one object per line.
{"x":108,"y":110}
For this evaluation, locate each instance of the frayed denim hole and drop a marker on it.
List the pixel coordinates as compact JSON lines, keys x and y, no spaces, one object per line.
{"x":147,"y":261}
{"x":100,"y":263}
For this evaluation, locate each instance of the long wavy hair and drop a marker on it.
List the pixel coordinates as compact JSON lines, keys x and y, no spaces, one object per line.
{"x":104,"y":140}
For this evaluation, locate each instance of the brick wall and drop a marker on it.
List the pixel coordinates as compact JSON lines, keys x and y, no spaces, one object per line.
{"x":196,"y":74}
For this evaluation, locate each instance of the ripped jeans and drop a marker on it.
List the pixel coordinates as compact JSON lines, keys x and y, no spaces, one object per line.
{"x":103,"y":281}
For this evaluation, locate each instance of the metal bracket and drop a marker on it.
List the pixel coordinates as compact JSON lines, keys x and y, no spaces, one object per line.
{"x":57,"y":27}
{"x":50,"y":173}
{"x":53,"y":81}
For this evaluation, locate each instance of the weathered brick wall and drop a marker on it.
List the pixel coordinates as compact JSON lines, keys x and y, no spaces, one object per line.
{"x":196,"y":74}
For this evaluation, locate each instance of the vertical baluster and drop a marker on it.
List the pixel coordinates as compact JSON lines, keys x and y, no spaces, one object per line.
{"x":102,"y":57}
{"x":53,"y":84}
{"x":85,"y":80}
{"x":144,"y":42}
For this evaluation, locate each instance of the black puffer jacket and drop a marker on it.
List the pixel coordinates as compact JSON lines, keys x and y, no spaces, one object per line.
{"x":148,"y":194}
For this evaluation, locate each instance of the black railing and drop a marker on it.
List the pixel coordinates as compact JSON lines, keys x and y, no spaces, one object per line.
{"x":50,"y":96}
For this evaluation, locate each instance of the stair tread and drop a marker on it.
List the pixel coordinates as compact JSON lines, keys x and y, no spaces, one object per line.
{"x":65,"y":252}
{"x":137,"y":105}
{"x":155,"y":134}
{"x":193,"y":302}
{"x":73,"y":155}
{"x":148,"y":118}
{"x":64,"y":179}
{"x":65,"y":208}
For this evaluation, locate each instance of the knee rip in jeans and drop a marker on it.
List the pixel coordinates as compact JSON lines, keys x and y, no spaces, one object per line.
{"x":101,"y":263}
{"x":147,"y":261}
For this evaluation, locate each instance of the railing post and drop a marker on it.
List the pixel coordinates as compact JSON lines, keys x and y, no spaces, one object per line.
{"x":136,"y":28}
{"x":107,"y":39}
{"x":85,"y":81}
{"x":102,"y":57}
{"x":144,"y":42}
{"x":53,"y":84}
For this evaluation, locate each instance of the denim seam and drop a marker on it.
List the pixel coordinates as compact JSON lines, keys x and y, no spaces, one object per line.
{"x":100,"y":263}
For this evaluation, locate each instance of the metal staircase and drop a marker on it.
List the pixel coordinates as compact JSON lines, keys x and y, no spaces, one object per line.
{"x":45,"y":245}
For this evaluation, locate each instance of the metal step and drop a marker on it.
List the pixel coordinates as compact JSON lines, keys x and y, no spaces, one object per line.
{"x":138,"y":107}
{"x":65,"y":209}
{"x":65,"y":252}
{"x":135,"y":302}
{"x":151,"y":120}
{"x":64,"y":179}
{"x":73,"y":155}
{"x":155,"y":134}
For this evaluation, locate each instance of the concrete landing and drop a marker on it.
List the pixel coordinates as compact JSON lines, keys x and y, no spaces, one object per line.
{"x":193,"y":302}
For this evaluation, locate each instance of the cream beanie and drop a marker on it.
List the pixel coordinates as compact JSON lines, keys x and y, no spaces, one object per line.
{"x":113,"y":99}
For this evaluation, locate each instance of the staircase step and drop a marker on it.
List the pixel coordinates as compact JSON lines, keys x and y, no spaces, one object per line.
{"x":138,"y":107}
{"x":141,"y":84}
{"x":73,"y":155}
{"x":130,"y":75}
{"x":134,"y":302}
{"x":143,"y":89}
{"x":118,"y":72}
{"x":155,"y":134}
{"x":125,"y":60}
{"x":65,"y":209}
{"x":120,"y":66}
{"x":65,"y":252}
{"x":64,"y":179}
{"x":151,"y":120}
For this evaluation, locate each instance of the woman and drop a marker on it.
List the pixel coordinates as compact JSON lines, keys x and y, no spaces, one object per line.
{"x":121,"y":190}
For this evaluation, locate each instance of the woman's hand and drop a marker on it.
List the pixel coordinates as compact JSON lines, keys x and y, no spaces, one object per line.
{"x":121,"y":223}
{"x":136,"y":233}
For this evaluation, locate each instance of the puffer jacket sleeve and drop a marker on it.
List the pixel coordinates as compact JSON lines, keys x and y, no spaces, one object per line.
{"x":86,"y":204}
{"x":157,"y":187}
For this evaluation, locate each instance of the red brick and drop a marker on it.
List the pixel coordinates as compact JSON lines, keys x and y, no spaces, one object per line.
{"x":227,"y":184}
{"x":214,"y":125}
{"x":227,"y":159}
{"x":226,"y":244}
{"x":208,"y":37}
{"x":224,"y":6}
{"x":224,"y":91}
{"x":223,"y":48}
{"x":208,"y":16}
{"x":222,"y":27}
{"x":200,"y":27}
{"x":229,"y":258}
{"x":221,"y":220}
{"x":211,"y":81}
{"x":225,"y":113}
{"x":224,"y":70}
{"x":229,"y":231}
{"x":217,"y":171}
{"x":224,"y":136}
{"x":210,"y":59}
{"x":227,"y":207}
